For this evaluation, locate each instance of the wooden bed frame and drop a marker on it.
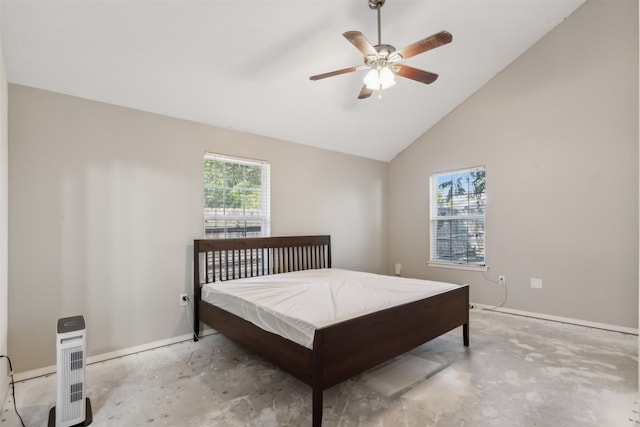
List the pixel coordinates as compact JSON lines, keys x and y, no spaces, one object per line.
{"x":339,"y":351}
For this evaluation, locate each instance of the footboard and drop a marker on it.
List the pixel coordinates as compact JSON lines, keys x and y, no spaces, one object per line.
{"x":354,"y":346}
{"x":351,"y":347}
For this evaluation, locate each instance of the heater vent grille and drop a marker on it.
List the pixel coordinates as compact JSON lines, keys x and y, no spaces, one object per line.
{"x":76,"y":360}
{"x":76,"y":392}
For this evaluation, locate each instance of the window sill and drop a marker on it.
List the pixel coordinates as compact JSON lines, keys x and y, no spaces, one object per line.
{"x":470,"y":267}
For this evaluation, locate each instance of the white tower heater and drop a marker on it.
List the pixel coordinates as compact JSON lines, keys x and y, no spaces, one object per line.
{"x":72,"y":406}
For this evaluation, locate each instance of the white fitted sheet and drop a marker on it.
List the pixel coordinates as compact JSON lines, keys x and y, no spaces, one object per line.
{"x":293,"y":305}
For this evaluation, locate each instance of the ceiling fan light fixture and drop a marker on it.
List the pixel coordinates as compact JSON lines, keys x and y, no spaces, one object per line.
{"x":372,"y":80}
{"x":379,"y":79}
{"x":383,"y":60}
{"x":387,"y":78}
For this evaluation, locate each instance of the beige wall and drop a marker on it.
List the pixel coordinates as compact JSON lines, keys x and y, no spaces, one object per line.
{"x":106,"y":201}
{"x":558,"y":133}
{"x":4,"y":291}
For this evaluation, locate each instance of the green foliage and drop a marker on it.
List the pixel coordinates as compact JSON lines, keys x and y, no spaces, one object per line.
{"x":457,"y":192}
{"x":232,"y":185}
{"x":471,"y":183}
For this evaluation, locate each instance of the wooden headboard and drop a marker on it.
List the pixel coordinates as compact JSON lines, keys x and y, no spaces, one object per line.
{"x":227,"y":259}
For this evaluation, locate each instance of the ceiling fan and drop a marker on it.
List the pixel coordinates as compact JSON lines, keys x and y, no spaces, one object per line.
{"x":383,"y":60}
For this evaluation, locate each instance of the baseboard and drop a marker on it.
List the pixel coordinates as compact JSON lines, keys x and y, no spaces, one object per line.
{"x":48,"y":370}
{"x":578,"y":322}
{"x":5,"y":395}
{"x":6,"y":382}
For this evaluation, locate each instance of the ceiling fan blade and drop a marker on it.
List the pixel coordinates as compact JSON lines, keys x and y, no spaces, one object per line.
{"x":431,"y":42}
{"x":334,"y":73}
{"x":414,"y":74}
{"x":360,"y":42}
{"x":365,"y":92}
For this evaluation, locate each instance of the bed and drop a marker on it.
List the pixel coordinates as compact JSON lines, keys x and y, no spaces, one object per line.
{"x":335,"y":352}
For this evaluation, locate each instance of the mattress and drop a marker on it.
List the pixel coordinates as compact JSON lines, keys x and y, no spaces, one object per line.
{"x":293,"y":305}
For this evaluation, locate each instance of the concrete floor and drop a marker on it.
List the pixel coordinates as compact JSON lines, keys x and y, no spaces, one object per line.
{"x":517,"y":372}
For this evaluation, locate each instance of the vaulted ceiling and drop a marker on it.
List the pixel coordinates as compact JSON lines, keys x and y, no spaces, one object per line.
{"x":245,"y":65}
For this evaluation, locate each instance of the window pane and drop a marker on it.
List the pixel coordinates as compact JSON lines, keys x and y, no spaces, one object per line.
{"x":443,"y":249}
{"x":477,"y":204}
{"x":444,"y":207}
{"x":253,"y":201}
{"x":460,"y":205}
{"x":451,"y":240}
{"x":460,"y":241}
{"x":232,"y":174}
{"x":253,"y":177}
{"x":443,"y":229}
{"x":477,"y":182}
{"x":222,"y":228}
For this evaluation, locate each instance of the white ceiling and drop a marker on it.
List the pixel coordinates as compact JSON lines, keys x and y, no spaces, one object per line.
{"x":245,"y":65}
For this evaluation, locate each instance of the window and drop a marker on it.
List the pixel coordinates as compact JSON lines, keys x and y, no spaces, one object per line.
{"x":458,"y":204}
{"x":236,"y":197}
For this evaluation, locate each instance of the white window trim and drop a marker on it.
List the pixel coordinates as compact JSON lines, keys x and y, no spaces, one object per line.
{"x":472,"y":267}
{"x":266,"y":189}
{"x":433,"y":210}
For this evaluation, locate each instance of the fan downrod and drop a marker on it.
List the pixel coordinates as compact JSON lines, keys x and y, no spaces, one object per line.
{"x":377,"y":5}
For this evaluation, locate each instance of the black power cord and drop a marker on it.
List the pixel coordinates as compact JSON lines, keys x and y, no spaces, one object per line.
{"x":13,"y":389}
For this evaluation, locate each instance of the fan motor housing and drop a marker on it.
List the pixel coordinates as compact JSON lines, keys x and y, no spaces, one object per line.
{"x":386,"y":55}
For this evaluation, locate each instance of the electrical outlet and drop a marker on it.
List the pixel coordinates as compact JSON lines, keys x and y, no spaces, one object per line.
{"x":398,"y":268}
{"x":184,"y":299}
{"x":502,"y":280}
{"x":536,"y":283}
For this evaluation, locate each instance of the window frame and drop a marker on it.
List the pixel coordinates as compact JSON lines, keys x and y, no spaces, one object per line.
{"x":434,"y":218}
{"x":265,"y":209}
